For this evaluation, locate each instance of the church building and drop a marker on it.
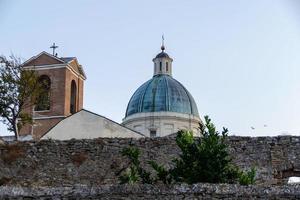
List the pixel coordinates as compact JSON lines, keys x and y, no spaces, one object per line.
{"x":159,"y":107}
{"x":162,"y":105}
{"x":63,"y":80}
{"x":58,"y":112}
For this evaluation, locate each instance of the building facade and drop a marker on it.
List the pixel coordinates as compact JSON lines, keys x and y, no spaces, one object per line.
{"x":159,"y":107}
{"x":88,"y":125}
{"x":162,"y":105}
{"x":63,"y":80}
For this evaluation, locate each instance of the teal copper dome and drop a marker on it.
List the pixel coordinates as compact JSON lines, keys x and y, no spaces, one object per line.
{"x":162,"y":93}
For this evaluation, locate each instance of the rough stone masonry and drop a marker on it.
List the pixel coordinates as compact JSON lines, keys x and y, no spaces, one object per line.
{"x":99,"y":161}
{"x":196,"y":191}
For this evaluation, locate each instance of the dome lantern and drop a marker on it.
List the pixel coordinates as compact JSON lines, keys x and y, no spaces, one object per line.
{"x":162,"y":63}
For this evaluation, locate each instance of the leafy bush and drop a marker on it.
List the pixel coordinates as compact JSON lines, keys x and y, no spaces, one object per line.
{"x":247,"y":178}
{"x":162,"y":174}
{"x":135,"y":172}
{"x":130,"y":176}
{"x":204,"y":159}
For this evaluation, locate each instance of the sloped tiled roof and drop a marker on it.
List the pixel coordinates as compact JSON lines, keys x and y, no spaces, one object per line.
{"x":67,"y":59}
{"x":49,"y":59}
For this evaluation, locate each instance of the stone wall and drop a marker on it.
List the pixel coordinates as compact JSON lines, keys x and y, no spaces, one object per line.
{"x":197,"y":191}
{"x":99,"y":161}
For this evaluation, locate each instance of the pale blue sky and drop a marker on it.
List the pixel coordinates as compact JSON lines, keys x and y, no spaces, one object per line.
{"x":239,"y":59}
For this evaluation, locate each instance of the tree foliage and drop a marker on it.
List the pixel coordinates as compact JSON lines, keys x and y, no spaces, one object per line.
{"x":18,"y":91}
{"x":203,"y":159}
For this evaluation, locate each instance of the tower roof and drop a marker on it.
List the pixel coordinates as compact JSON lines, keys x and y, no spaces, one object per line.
{"x":162,"y":55}
{"x":46,"y":59}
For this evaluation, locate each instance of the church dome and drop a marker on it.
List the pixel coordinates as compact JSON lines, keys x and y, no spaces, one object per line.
{"x":162,"y":93}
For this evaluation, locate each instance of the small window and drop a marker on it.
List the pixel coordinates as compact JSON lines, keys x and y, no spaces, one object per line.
{"x":167,"y":66}
{"x":160,"y":66}
{"x":152,"y":133}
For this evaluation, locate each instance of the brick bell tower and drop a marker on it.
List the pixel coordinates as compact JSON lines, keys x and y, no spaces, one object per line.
{"x":63,"y":79}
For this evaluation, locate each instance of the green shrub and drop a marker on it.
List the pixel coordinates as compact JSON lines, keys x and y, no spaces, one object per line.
{"x":247,"y":178}
{"x":204,"y":159}
{"x":134,"y":172}
{"x":130,"y":176}
{"x":162,"y":174}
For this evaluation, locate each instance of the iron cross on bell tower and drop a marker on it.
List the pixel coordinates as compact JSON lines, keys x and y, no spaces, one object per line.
{"x":53,"y":47}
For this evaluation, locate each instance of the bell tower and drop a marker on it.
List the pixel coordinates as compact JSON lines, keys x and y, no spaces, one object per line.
{"x":63,"y":80}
